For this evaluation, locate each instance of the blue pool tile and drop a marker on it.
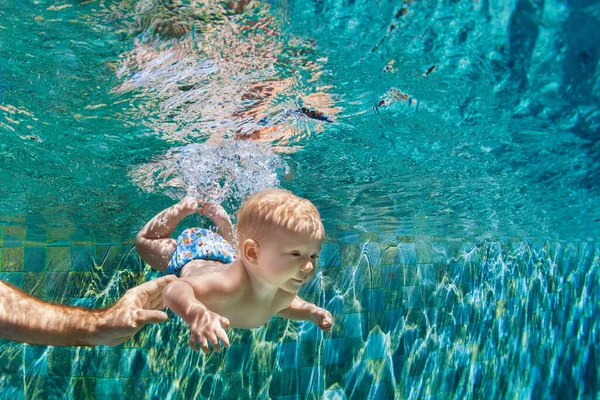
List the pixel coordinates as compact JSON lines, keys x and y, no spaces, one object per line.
{"x":290,"y":397}
{"x":355,"y":325}
{"x":35,"y":259}
{"x":426,"y":274}
{"x":14,"y":278}
{"x":372,"y":299}
{"x":46,"y":387}
{"x":83,"y":388}
{"x":12,"y":241}
{"x":372,"y":253}
{"x":288,"y":355}
{"x":378,"y":392}
{"x":348,"y":238}
{"x":82,"y":235}
{"x":135,"y":388}
{"x":284,"y":383}
{"x":311,"y":379}
{"x":109,"y":362}
{"x":109,"y":388}
{"x":134,"y":363}
{"x":13,"y":259}
{"x":59,"y":361}
{"x":411,"y":297}
{"x":11,"y":387}
{"x":392,"y":276}
{"x":310,"y":332}
{"x":375,"y":347}
{"x":330,"y":255}
{"x":36,"y":235}
{"x":334,"y":351}
{"x":440,"y":252}
{"x":238,"y":358}
{"x":82,"y":258}
{"x":461,"y":313}
{"x":407,"y":253}
{"x":85,"y":362}
{"x":393,"y":320}
{"x":11,"y":359}
{"x":35,"y":360}
{"x":334,"y":394}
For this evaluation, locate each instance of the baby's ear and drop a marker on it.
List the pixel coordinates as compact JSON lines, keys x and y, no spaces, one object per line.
{"x":250,"y":251}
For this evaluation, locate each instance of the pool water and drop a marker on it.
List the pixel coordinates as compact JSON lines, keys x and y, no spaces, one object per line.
{"x":451,"y":148}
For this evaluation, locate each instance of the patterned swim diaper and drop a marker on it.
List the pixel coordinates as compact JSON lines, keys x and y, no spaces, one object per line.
{"x":199,"y":244}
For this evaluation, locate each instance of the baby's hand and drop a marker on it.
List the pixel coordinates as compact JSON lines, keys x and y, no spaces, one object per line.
{"x":189,"y":205}
{"x":323,"y":318}
{"x":209,"y":327}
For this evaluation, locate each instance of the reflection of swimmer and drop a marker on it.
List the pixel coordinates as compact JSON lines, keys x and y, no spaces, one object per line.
{"x":262,"y":119}
{"x":278,"y":116}
{"x":394,"y":95}
{"x":230,"y":81}
{"x":274,"y":122}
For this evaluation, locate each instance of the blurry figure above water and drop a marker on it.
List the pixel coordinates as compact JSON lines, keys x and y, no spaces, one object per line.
{"x":223,"y":75}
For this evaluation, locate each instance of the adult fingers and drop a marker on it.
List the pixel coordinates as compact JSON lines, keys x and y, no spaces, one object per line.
{"x":155,"y":286}
{"x":156,"y":304}
{"x":150,"y":316}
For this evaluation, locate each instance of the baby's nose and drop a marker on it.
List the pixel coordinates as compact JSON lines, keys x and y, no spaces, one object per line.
{"x":308,"y":267}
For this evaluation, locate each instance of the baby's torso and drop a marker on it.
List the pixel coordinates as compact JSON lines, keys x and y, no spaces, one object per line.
{"x":246,"y":312}
{"x":241,"y":308}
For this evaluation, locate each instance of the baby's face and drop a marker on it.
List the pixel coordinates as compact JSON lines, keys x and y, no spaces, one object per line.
{"x":288,"y":259}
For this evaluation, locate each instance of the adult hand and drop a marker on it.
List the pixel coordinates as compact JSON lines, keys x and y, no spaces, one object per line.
{"x":138,"y":307}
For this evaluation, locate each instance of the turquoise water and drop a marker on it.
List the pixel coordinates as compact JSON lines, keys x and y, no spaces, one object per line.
{"x":455,"y":166}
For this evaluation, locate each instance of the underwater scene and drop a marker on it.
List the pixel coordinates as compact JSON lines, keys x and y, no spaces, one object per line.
{"x":451,"y":148}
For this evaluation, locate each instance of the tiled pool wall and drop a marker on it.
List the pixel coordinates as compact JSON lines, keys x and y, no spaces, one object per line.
{"x":414,"y":318}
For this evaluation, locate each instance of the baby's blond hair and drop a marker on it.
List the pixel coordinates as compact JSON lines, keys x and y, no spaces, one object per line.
{"x":278,"y":208}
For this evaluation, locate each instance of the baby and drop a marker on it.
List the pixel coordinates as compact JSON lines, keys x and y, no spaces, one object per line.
{"x":279,"y":237}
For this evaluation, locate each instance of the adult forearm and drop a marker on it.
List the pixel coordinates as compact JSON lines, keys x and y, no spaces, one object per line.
{"x":24,"y":318}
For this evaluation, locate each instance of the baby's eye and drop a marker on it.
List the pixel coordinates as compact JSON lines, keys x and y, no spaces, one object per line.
{"x":296,"y":254}
{"x":314,"y":256}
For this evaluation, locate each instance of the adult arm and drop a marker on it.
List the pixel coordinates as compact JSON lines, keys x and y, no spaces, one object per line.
{"x":303,"y":310}
{"x":24,"y":318}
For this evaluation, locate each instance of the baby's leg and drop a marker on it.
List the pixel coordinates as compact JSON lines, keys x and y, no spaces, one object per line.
{"x":153,"y":242}
{"x":220,"y":218}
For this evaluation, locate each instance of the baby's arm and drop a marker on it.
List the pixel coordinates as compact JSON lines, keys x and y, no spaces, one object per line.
{"x":303,"y":310}
{"x":205,"y":325}
{"x":153,"y":242}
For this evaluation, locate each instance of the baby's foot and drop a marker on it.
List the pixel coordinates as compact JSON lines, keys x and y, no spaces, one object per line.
{"x":188,"y":205}
{"x":216,"y":213}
